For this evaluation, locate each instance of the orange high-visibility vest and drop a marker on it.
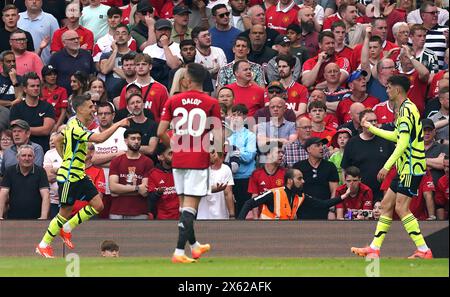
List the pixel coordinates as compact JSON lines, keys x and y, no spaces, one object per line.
{"x":281,"y":208}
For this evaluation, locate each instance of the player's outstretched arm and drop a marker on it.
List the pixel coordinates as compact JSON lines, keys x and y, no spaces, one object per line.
{"x":388,"y":135}
{"x":103,"y":136}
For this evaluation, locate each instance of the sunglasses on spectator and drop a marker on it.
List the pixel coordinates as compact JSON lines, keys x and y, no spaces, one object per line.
{"x":222,"y":15}
{"x":432,"y":12}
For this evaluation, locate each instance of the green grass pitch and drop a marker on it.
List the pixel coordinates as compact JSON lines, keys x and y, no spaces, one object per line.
{"x":223,"y":267}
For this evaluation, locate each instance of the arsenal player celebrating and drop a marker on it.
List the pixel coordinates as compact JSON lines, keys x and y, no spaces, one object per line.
{"x":191,"y":113}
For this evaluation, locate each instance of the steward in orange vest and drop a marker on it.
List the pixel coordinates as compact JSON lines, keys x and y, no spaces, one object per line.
{"x":284,"y":203}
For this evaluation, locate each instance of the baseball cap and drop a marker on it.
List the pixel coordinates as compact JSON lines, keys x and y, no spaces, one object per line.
{"x":163,"y":23}
{"x":282,"y":40}
{"x":21,"y":124}
{"x":428,"y":123}
{"x":314,"y":140}
{"x":342,"y":130}
{"x":276,"y":84}
{"x":47,"y":69}
{"x":181,"y":9}
{"x":144,"y":6}
{"x":130,"y":85}
{"x":356,"y":74}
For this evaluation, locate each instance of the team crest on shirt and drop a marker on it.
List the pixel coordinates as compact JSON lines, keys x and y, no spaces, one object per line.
{"x":286,"y":20}
{"x":262,"y":183}
{"x":152,"y":93}
{"x":279,"y":182}
{"x":294,"y":93}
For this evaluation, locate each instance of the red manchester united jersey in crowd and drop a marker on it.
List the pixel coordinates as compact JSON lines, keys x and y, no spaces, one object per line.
{"x":260,"y":181}
{"x":343,"y":64}
{"x":279,"y":20}
{"x":343,"y":108}
{"x":167,"y":207}
{"x":384,"y":113}
{"x":192,"y":115}
{"x":363,"y":200}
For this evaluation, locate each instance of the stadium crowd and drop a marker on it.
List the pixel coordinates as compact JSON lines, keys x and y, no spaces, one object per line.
{"x":294,"y":79}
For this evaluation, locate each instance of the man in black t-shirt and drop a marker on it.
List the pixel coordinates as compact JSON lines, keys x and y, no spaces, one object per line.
{"x":10,"y":88}
{"x":369,"y":153}
{"x":39,"y":114}
{"x":10,"y":17}
{"x":321,"y":178}
{"x":140,"y":122}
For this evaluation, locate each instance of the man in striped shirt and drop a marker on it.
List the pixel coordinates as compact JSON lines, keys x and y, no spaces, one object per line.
{"x":437,"y":36}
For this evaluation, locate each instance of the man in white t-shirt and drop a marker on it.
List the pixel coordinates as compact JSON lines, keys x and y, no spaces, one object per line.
{"x":219,"y":205}
{"x":113,"y":147}
{"x":52,"y":162}
{"x":164,"y":48}
{"x":211,"y":57}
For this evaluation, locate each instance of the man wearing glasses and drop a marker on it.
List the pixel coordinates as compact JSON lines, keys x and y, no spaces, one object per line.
{"x":26,"y":61}
{"x":70,"y":59}
{"x":437,"y":36}
{"x":223,"y":34}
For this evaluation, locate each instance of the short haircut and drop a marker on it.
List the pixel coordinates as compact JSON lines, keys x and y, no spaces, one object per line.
{"x":225,"y":88}
{"x":8,"y":7}
{"x":425,"y":4}
{"x":317,"y":104}
{"x":397,"y":26}
{"x":217,"y":7}
{"x":161,"y":148}
{"x":353,"y":171}
{"x":375,"y":38}
{"x":24,"y":147}
{"x":324,"y":34}
{"x":109,"y":245}
{"x":416,"y":27}
{"x":6,"y":53}
{"x":443,"y":90}
{"x":343,"y":7}
{"x":289,"y":174}
{"x":29,"y":75}
{"x":196,"y":72}
{"x":237,"y":63}
{"x":79,"y":100}
{"x":240,"y":108}
{"x":186,"y":42}
{"x":338,"y":24}
{"x":294,"y":27}
{"x":290,"y":60}
{"x":120,"y":25}
{"x":242,"y":38}
{"x":107,"y":104}
{"x":130,"y":131}
{"x":400,"y":81}
{"x":196,"y":31}
{"x":143,"y":57}
{"x":17,"y":31}
{"x":113,"y":11}
{"x":375,"y":20}
{"x":134,"y":95}
{"x":364,"y":112}
{"x":128,"y":56}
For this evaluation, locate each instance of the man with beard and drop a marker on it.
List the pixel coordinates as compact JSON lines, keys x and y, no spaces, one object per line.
{"x":26,"y":61}
{"x":73,"y":183}
{"x":109,"y":62}
{"x":128,"y":180}
{"x":188,"y":53}
{"x":239,"y":17}
{"x":280,"y":16}
{"x":107,"y":150}
{"x":313,"y":69}
{"x":309,"y":36}
{"x":258,"y":17}
{"x":163,"y":201}
{"x":10,"y":88}
{"x":293,"y":202}
{"x":147,"y":127}
{"x":128,"y":68}
{"x":297,"y":94}
{"x":282,"y":45}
